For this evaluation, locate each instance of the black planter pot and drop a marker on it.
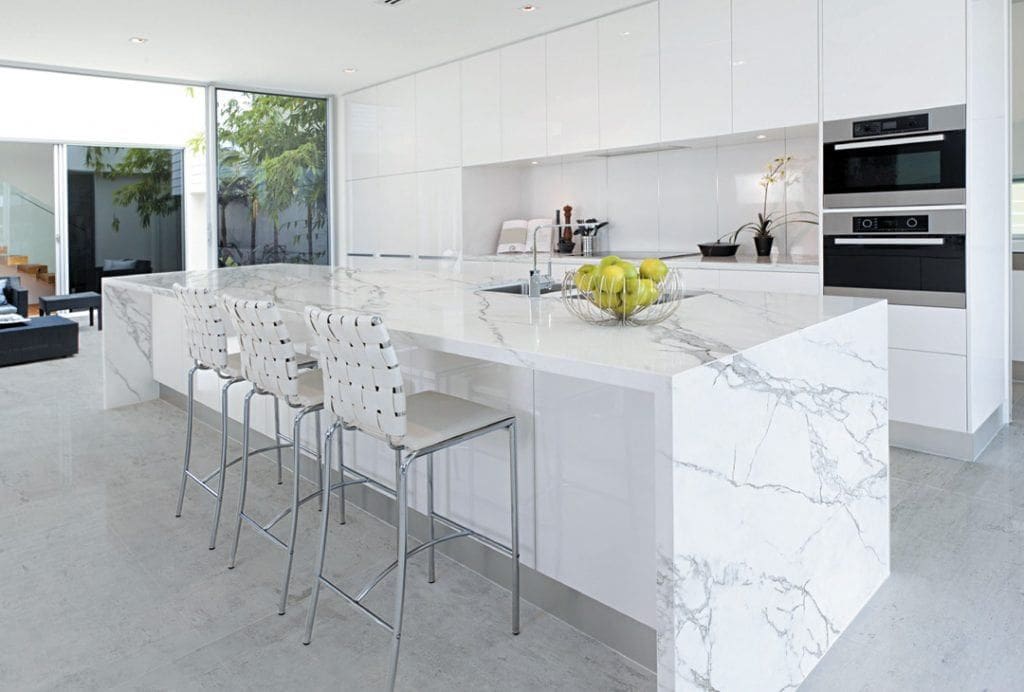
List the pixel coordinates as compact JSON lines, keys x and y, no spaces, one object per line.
{"x":763,"y":245}
{"x":718,"y":249}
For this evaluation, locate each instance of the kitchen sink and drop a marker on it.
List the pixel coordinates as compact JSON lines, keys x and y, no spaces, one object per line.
{"x":521,"y":288}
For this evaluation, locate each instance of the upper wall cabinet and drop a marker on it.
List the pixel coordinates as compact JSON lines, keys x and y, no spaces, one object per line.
{"x":775,"y":62}
{"x":628,"y":67}
{"x":885,"y":57}
{"x":438,"y":121}
{"x":481,"y":109}
{"x":523,"y":100}
{"x":396,"y":109}
{"x":361,"y":136}
{"x":696,"y":68}
{"x":572,"y":90}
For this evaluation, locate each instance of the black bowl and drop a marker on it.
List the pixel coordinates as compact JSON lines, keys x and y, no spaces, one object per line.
{"x":718,"y":249}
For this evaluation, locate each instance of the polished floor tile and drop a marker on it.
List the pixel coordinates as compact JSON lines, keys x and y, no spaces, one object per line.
{"x":102,"y":588}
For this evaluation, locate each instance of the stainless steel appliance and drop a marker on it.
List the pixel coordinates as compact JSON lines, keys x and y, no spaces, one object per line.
{"x":903,"y":159}
{"x":910,"y":257}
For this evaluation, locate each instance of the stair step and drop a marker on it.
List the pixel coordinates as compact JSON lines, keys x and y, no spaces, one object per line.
{"x":26,"y":268}
{"x":48,"y":277}
{"x":14,"y":260}
{"x":3,"y":249}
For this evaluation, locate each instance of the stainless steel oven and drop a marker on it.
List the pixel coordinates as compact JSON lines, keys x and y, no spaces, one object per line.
{"x":904,"y":159}
{"x":910,"y":258}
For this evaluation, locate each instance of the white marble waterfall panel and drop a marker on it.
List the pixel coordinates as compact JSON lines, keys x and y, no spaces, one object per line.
{"x":127,"y":347}
{"x":780,"y":537}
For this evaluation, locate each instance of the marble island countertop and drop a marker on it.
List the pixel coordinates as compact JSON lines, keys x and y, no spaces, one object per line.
{"x":444,"y":309}
{"x":776,"y":263}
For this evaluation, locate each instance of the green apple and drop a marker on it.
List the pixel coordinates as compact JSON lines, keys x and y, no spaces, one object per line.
{"x":646,"y":292}
{"x":586,"y":277}
{"x":613,"y":279}
{"x":653,"y":269}
{"x":628,"y":306}
{"x":607,"y":300}
{"x":608,"y":261}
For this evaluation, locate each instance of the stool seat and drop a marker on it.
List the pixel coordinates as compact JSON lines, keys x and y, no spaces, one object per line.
{"x":433,"y":418}
{"x":311,"y":389}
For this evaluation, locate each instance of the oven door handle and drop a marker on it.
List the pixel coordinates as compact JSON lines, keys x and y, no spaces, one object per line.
{"x":893,"y":142}
{"x":890,"y":241}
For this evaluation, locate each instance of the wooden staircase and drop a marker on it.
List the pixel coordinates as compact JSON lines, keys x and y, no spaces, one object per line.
{"x":39,"y":271}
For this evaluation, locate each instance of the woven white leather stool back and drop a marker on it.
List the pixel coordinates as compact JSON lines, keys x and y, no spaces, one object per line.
{"x":362,"y":376}
{"x":204,"y":326}
{"x":269,"y":359}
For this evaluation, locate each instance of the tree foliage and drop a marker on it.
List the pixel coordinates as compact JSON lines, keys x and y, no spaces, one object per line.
{"x":149,"y":189}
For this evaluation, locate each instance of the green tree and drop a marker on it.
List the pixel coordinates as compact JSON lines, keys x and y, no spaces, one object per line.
{"x":149,"y":190}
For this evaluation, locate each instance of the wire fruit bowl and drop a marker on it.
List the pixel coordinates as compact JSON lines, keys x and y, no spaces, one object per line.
{"x":632,"y":302}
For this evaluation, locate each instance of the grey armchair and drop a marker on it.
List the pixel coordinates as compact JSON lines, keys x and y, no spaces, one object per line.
{"x":15,"y":297}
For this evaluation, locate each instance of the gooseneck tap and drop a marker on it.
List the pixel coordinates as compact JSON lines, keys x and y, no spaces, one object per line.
{"x":539,"y":281}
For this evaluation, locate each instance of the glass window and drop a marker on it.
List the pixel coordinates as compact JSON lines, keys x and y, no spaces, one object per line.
{"x":271,"y":179}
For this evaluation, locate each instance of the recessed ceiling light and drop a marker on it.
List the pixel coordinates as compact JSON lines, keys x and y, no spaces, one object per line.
{"x":534,"y":163}
{"x":626,"y":34}
{"x":528,"y":8}
{"x":350,"y":70}
{"x":139,"y":40}
{"x":762,"y":136}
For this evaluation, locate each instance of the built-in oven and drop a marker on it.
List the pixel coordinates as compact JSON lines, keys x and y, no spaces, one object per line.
{"x":909,"y":258}
{"x":904,"y":159}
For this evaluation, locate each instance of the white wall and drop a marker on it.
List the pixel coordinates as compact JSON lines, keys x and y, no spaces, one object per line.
{"x":29,"y":167}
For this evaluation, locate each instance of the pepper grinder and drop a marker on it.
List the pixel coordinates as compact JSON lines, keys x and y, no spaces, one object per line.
{"x":567,"y":228}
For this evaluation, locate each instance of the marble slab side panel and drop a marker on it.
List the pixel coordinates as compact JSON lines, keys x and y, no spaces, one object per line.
{"x":781,"y":503}
{"x":127,"y":347}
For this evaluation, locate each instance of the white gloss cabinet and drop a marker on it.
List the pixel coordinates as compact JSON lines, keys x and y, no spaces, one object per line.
{"x":481,"y":109}
{"x":880,"y":56}
{"x":439,"y":227}
{"x":362,"y":138}
{"x":696,"y":68}
{"x":572,"y":91}
{"x":397,"y":218}
{"x":438,"y":120}
{"x":928,"y":389}
{"x":524,"y":100}
{"x":364,"y":208}
{"x":628,"y":73}
{"x":396,"y":109}
{"x":775,"y":63}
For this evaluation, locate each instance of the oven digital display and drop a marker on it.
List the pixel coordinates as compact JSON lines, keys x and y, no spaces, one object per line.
{"x":890,"y":224}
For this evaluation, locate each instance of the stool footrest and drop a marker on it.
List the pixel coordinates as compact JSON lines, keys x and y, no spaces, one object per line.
{"x":423,"y":546}
{"x":262,"y":531}
{"x":286,"y":511}
{"x":344,"y":594}
{"x":213,"y":474}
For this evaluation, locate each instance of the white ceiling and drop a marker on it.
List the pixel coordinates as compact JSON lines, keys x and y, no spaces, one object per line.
{"x":297,"y":45}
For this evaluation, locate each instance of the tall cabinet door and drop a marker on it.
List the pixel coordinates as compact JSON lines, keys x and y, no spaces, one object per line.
{"x":438,"y":121}
{"x":775,"y":63}
{"x":628,"y":67}
{"x":696,"y":68}
{"x":885,"y":57}
{"x":523,"y":100}
{"x":481,"y":109}
{"x":361,"y":133}
{"x":364,"y":208}
{"x":440,"y":213}
{"x":397,"y":113}
{"x":572,"y":90}
{"x":398,"y":216}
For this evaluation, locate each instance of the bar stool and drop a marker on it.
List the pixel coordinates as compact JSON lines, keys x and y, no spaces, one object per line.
{"x":269,"y":360}
{"x":208,"y":348}
{"x":363,"y":389}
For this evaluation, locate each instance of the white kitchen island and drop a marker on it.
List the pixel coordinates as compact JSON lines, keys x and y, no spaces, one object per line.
{"x":720,"y":479}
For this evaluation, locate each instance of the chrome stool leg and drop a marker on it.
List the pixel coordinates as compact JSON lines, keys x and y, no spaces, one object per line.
{"x":319,"y":459}
{"x":431,"y":576}
{"x":277,"y":437}
{"x":403,"y":556}
{"x":341,"y":473}
{"x":224,"y":391}
{"x":325,"y":480}
{"x":246,"y":408}
{"x":296,"y":458}
{"x":514,"y":482}
{"x":188,"y":436}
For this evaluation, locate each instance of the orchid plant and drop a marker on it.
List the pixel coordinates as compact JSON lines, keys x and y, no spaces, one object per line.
{"x":767,"y":221}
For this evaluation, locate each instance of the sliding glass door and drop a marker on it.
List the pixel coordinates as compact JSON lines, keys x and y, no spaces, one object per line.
{"x":124,"y":213}
{"x":272,"y":178}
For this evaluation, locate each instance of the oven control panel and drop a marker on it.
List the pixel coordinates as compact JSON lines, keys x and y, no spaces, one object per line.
{"x":891,"y":126}
{"x":916,"y":223}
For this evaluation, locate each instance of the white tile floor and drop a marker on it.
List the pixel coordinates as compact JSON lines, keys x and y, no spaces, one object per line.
{"x":100,"y":587}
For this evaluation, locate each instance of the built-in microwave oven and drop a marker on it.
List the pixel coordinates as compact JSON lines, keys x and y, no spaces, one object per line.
{"x":904,"y":159}
{"x":913,"y":257}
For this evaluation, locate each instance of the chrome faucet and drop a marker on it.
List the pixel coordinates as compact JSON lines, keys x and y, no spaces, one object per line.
{"x":540,"y":281}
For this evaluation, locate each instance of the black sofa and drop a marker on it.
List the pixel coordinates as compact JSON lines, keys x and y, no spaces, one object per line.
{"x":15,"y":297}
{"x":126,"y":267}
